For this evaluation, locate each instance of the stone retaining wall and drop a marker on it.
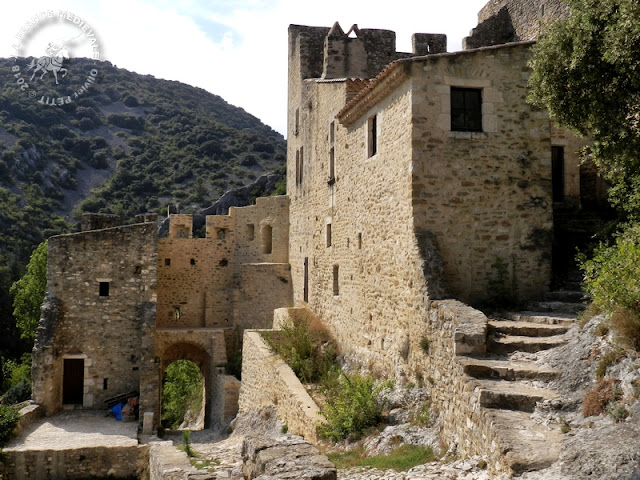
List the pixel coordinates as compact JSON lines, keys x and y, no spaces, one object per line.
{"x":455,"y":329}
{"x":76,"y":463}
{"x":268,"y":380}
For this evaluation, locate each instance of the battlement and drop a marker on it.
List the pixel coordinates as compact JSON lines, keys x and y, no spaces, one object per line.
{"x":329,"y":53}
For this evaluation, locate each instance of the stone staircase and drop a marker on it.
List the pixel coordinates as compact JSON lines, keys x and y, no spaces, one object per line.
{"x":508,"y":388}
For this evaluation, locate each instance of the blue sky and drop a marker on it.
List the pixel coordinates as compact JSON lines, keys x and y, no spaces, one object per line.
{"x":234,"y":48}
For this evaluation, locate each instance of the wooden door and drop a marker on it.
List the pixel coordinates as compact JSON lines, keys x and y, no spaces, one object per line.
{"x":73,"y":381}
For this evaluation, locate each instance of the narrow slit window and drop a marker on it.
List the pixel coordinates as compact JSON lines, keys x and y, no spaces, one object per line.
{"x":336,"y":282}
{"x":267,"y":239}
{"x":329,"y":235}
{"x":297,"y":167}
{"x":301,"y":163}
{"x":296,"y":127}
{"x":372,"y":134}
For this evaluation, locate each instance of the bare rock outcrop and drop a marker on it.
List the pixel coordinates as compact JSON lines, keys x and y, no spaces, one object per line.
{"x":284,"y":457}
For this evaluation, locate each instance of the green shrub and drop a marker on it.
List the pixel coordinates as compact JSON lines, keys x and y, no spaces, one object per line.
{"x":306,"y":346}
{"x":9,"y":417}
{"x":351,"y":407}
{"x":612,"y":275}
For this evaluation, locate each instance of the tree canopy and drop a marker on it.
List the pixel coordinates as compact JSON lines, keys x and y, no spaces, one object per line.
{"x":586,"y":73}
{"x":28,"y":293}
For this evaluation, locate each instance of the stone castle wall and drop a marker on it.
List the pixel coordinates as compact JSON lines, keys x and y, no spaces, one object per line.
{"x":209,"y":282}
{"x":100,"y":308}
{"x":373,"y":237}
{"x":503,"y":21}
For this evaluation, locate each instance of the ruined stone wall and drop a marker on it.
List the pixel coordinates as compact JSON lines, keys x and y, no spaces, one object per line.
{"x":75,"y":464}
{"x":253,"y":224}
{"x":100,"y":308}
{"x":268,"y":380}
{"x":502,"y":21}
{"x":483,"y":194}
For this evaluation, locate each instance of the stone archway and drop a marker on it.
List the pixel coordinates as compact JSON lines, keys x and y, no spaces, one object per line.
{"x":214,"y":391}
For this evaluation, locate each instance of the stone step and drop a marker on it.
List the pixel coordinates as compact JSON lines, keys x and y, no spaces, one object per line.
{"x":526,"y":329}
{"x":543,"y":317}
{"x":568,"y":296}
{"x":516,"y":343}
{"x":525,"y":444}
{"x":506,"y":395}
{"x":506,"y":370}
{"x":558,"y":307}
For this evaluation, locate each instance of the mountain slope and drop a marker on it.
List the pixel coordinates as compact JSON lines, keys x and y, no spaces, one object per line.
{"x":131,"y":144}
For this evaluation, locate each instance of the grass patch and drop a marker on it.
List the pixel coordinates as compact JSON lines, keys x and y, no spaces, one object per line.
{"x":205,"y":464}
{"x":401,"y":459}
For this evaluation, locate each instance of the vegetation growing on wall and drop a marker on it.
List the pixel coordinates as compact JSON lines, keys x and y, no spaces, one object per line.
{"x":306,"y":346}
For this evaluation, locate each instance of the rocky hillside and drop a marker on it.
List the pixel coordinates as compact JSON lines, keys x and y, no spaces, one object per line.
{"x":130,"y":144}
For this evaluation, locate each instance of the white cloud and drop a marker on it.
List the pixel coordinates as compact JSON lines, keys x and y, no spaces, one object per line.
{"x":236,"y":48}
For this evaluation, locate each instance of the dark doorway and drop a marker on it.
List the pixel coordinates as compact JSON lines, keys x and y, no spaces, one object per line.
{"x":557,"y":173}
{"x":306,"y":279}
{"x":73,"y":381}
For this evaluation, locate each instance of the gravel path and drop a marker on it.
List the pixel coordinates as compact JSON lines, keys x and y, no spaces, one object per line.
{"x":75,"y":429}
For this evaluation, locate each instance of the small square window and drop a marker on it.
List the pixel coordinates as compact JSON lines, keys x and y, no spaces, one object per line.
{"x":167,"y":262}
{"x":104,"y":289}
{"x":466,"y":109}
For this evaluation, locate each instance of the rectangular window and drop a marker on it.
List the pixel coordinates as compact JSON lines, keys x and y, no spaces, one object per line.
{"x":328,"y":234}
{"x":336,"y":284}
{"x":372,"y":136}
{"x":104,"y":289}
{"x":251,"y":231}
{"x":167,"y":262}
{"x":466,"y":109}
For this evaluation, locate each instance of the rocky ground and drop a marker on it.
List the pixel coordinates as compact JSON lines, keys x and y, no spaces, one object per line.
{"x":601,"y":446}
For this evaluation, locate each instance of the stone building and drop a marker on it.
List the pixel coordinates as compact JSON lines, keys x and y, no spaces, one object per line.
{"x":122,"y":304}
{"x":410,"y":174}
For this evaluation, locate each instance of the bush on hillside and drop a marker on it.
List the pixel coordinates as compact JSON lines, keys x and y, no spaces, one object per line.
{"x":612,"y":279}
